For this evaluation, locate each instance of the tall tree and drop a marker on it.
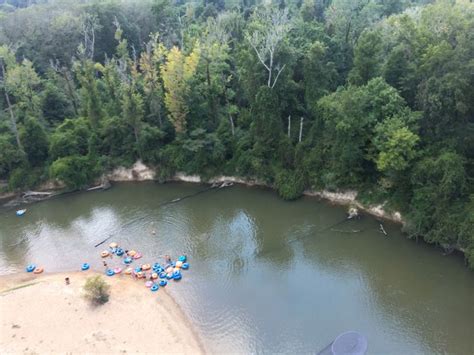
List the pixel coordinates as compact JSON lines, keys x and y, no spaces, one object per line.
{"x":270,"y":28}
{"x":177,"y":71}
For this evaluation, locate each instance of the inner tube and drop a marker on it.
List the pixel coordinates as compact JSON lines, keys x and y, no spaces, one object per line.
{"x":154,"y":276}
{"x":105,"y":254}
{"x":179,"y":264}
{"x":177,"y":276}
{"x":140,"y":275}
{"x":137,"y":256}
{"x":85,"y":267}
{"x":138,"y":269}
{"x":146,"y":267}
{"x":162,"y":275}
{"x":169,"y":276}
{"x":169,"y":269}
{"x":119,"y":251}
{"x":38,"y":270}
{"x":113,"y":245}
{"x":156,"y":265}
{"x":185,"y":266}
{"x":20,"y":212}
{"x":163,"y":282}
{"x":128,"y":271}
{"x":110,"y":272}
{"x":117,"y":270}
{"x":149,"y":283}
{"x":131,"y":253}
{"x":30,"y":268}
{"x":154,"y":288}
{"x":182,"y":258}
{"x":127,"y":260}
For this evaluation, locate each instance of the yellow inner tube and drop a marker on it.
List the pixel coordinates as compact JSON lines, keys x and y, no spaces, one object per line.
{"x":140,"y":275}
{"x":128,"y":271}
{"x":179,"y":264}
{"x":113,"y":245}
{"x":38,"y":270}
{"x":132,"y":253}
{"x":146,"y":267}
{"x":154,"y":275}
{"x":104,"y":254}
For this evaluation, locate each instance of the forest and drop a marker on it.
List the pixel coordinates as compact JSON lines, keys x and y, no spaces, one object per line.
{"x":371,"y":95}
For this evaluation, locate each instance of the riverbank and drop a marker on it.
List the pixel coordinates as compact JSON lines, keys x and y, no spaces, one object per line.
{"x":42,"y":314}
{"x":141,"y":172}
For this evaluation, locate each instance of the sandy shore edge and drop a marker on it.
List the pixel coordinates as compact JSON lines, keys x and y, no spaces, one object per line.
{"x":40,"y":313}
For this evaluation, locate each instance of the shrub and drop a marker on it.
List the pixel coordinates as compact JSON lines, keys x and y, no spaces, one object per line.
{"x":290,"y":184}
{"x":96,"y":290}
{"x":75,"y":171}
{"x":23,"y":178}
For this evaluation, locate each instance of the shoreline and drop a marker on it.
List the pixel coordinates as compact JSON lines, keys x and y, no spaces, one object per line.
{"x":140,"y":172}
{"x":134,"y":320}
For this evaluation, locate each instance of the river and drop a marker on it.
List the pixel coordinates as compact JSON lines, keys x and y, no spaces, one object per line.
{"x":266,"y":275}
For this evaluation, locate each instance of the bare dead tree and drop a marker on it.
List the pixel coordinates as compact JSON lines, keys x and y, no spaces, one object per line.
{"x":289,"y":126}
{"x":301,"y":130}
{"x":266,"y":40}
{"x":90,"y":24}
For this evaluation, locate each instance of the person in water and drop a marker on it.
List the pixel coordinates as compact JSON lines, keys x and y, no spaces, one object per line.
{"x":105,"y":264}
{"x":168,"y":260}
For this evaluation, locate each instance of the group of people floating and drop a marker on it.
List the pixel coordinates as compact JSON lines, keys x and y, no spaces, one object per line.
{"x":155,"y":275}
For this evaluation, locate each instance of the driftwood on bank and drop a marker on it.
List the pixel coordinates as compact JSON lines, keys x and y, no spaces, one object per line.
{"x":28,"y":194}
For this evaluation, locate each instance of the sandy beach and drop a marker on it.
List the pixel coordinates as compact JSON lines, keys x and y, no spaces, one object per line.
{"x":41,"y":314}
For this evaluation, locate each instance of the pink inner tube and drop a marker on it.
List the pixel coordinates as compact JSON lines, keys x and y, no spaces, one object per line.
{"x":117,"y":270}
{"x":137,"y":256}
{"x":148,"y":283}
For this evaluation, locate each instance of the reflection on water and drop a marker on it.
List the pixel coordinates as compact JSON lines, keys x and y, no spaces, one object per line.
{"x":266,"y":275}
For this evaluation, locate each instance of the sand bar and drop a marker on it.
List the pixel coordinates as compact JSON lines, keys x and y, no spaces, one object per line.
{"x":40,"y":314}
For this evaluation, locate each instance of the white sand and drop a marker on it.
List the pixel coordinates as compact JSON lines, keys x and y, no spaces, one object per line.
{"x":50,"y":316}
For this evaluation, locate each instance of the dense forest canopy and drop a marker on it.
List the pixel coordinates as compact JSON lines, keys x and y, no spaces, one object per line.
{"x":323,"y":94}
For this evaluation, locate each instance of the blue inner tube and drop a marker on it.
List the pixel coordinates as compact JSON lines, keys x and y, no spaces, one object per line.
{"x":31,"y":268}
{"x":110,"y":272}
{"x":119,"y":252}
{"x":185,"y":266}
{"x":162,"y":275}
{"x":158,"y":269}
{"x":169,"y":277}
{"x":138,"y":269}
{"x":154,"y":288}
{"x":85,"y":267}
{"x":177,"y":275}
{"x":163,"y":282}
{"x":156,"y":265}
{"x":127,"y":260}
{"x":182,"y":258}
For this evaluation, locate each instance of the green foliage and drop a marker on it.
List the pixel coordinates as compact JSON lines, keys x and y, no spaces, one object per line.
{"x":23,"y":177}
{"x":289,"y":184}
{"x":35,"y":142}
{"x":11,"y":157}
{"x":75,"y":171}
{"x":96,"y":290}
{"x":55,"y":105}
{"x":70,"y":138}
